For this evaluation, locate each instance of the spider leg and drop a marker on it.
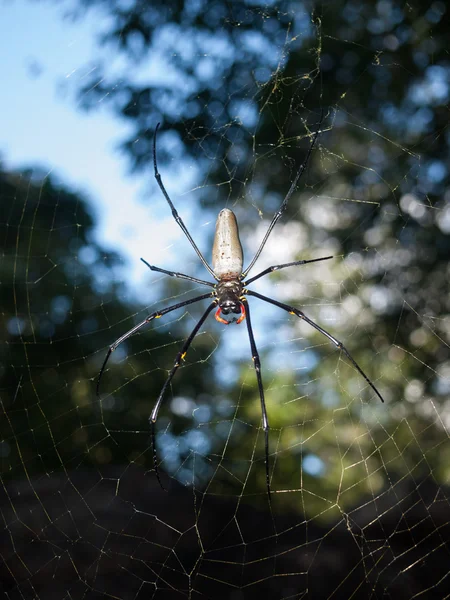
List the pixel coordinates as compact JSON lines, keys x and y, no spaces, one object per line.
{"x":180,"y":356}
{"x":155,"y":315}
{"x":178,"y":275}
{"x":337,"y":343}
{"x":278,"y":267}
{"x":284,"y":204}
{"x":257,"y":365}
{"x":175,"y":214}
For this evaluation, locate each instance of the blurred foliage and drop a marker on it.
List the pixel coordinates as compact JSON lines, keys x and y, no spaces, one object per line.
{"x":245,"y":87}
{"x":61,"y":308}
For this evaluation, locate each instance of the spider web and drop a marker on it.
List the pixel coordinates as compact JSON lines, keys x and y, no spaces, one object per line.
{"x":359,"y":503}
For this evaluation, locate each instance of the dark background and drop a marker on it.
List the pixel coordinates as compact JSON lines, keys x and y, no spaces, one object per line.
{"x":360,"y":504}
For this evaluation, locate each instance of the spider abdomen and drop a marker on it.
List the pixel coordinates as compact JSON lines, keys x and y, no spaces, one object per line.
{"x":227,"y":255}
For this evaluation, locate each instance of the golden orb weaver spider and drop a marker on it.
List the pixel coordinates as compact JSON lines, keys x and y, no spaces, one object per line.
{"x":229,"y":296}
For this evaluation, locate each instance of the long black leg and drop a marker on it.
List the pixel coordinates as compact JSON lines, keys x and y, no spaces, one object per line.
{"x":155,"y":315}
{"x":178,"y":275}
{"x":278,"y":267}
{"x":180,"y":356}
{"x":257,"y":364}
{"x":175,"y":214}
{"x":284,"y":204}
{"x":337,"y":343}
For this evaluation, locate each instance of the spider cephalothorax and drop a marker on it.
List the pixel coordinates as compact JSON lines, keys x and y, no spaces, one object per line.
{"x":231,"y":308}
{"x":229,"y":295}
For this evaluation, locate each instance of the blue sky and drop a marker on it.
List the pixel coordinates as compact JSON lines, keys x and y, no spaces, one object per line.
{"x":47,"y":56}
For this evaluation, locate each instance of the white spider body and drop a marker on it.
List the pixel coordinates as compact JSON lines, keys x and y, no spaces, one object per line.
{"x":227,"y":255}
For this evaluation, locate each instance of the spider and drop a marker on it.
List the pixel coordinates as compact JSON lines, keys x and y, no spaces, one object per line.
{"x":229,"y":295}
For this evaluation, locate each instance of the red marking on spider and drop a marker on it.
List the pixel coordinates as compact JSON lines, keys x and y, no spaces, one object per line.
{"x":224,"y":321}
